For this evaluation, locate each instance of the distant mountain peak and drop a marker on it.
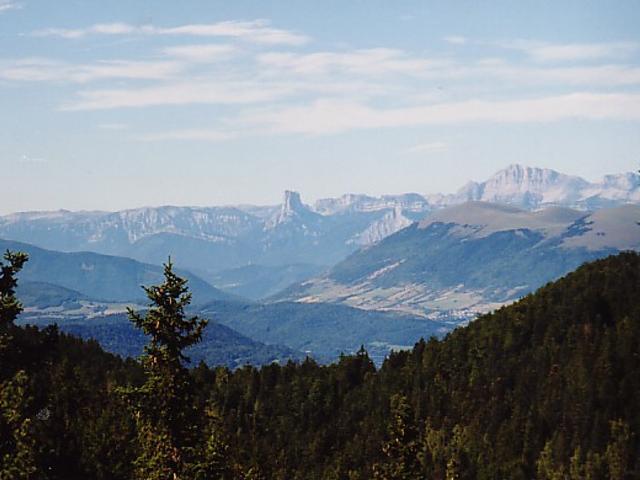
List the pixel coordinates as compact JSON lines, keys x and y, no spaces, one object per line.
{"x":292,"y":202}
{"x":530,"y":178}
{"x":292,"y":208}
{"x":527,"y":187}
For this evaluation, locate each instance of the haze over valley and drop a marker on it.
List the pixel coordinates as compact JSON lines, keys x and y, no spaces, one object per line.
{"x":384,"y":271}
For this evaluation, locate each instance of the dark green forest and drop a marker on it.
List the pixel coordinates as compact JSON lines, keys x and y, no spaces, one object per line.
{"x":546,"y":388}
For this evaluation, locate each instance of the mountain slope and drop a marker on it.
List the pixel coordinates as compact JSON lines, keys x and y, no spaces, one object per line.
{"x":220,"y":345}
{"x":324,"y":331}
{"x":101,"y":277}
{"x":209,"y":240}
{"x":548,"y":387}
{"x":557,"y":371}
{"x":259,"y":281}
{"x":46,"y":295}
{"x":471,"y":258}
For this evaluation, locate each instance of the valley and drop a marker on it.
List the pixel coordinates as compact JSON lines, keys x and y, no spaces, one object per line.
{"x":322,"y":280}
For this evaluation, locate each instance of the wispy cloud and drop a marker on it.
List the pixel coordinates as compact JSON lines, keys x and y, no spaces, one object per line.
{"x":369,"y":61}
{"x":597,"y":75}
{"x":267,"y":91}
{"x":548,"y":52}
{"x":201,"y":53}
{"x":248,"y":86}
{"x":43,"y":70}
{"x":202,"y":134}
{"x":184,"y":93}
{"x":431,"y":147}
{"x":256,"y":31}
{"x":331,"y":117}
{"x":455,"y":39}
{"x":6,"y":5}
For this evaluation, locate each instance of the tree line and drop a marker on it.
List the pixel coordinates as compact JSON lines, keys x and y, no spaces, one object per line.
{"x":546,"y":388}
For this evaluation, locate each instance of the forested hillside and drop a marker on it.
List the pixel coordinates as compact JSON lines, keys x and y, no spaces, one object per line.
{"x":545,"y":388}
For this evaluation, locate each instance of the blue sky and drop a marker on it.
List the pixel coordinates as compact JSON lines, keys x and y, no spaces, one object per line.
{"x":111,"y":105}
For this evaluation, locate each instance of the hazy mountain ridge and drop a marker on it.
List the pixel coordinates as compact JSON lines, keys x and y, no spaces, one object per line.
{"x":220,"y":344}
{"x":471,"y":258}
{"x":210,"y":241}
{"x":100,"y":277}
{"x":88,"y":294}
{"x":533,"y":188}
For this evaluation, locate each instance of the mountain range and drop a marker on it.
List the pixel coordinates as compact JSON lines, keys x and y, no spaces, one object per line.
{"x":325,"y":279}
{"x":293,"y":240}
{"x":471,"y":258}
{"x":105,"y":278}
{"x":87,"y":294}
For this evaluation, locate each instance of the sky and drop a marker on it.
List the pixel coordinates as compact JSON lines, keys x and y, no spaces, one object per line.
{"x":121,"y":104}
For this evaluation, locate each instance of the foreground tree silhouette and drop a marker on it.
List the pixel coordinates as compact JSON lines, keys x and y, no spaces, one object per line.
{"x":10,"y":306}
{"x":17,"y":441}
{"x":164,"y":411}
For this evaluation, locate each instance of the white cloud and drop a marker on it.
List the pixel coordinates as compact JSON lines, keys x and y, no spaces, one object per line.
{"x":6,"y":5}
{"x":548,"y":52}
{"x":185,"y":93}
{"x":205,"y":135}
{"x":43,"y":70}
{"x":329,"y":116}
{"x":431,"y":147}
{"x":375,"y":62}
{"x":456,"y":39}
{"x":240,"y":88}
{"x":598,"y":75}
{"x":256,"y":31}
{"x":201,"y":53}
{"x":369,"y":61}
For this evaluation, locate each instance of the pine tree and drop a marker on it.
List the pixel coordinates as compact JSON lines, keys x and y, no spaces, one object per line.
{"x":163,"y":407}
{"x":17,"y":442}
{"x":618,"y":450}
{"x":401,"y":449}
{"x":10,"y":306}
{"x":212,"y":461}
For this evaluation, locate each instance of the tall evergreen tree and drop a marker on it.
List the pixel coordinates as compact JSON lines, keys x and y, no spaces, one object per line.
{"x":400,"y":451}
{"x":163,"y":407}
{"x":17,"y":441}
{"x":10,"y":306}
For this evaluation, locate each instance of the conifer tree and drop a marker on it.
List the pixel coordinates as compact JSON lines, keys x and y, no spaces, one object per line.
{"x":10,"y":306}
{"x":163,"y":407}
{"x":618,"y":450}
{"x":212,"y":460}
{"x":17,"y":442}
{"x":401,"y":449}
